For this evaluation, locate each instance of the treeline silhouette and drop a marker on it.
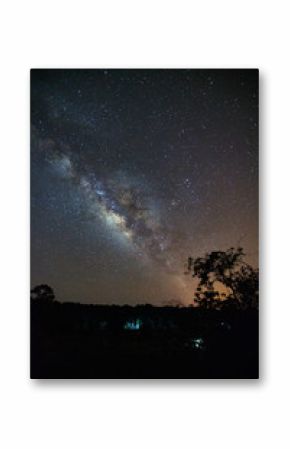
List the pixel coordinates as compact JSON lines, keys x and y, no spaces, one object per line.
{"x":216,"y":339}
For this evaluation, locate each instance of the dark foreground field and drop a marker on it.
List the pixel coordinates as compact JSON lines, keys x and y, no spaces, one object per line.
{"x":79,"y":341}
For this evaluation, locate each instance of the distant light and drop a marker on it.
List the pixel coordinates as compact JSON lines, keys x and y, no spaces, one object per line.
{"x":225,"y":325}
{"x":197,"y":343}
{"x":133,"y":325}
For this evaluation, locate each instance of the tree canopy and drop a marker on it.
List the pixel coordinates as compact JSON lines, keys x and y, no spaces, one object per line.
{"x":239,"y":279}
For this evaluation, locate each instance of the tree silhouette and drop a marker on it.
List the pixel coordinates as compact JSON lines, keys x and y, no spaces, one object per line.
{"x":228,"y":268}
{"x":43,"y":293}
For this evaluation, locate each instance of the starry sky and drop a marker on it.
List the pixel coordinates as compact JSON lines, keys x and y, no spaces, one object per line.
{"x":132,"y":171}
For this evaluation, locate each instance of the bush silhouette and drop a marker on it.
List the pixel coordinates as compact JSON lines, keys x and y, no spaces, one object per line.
{"x":42,"y":293}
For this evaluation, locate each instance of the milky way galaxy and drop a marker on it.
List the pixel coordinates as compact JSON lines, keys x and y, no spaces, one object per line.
{"x":122,"y":206}
{"x":132,"y":171}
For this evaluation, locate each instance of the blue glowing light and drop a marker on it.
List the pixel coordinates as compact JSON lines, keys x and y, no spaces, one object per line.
{"x":133,"y":325}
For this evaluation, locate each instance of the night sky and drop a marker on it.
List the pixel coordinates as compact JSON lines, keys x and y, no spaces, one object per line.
{"x":132,"y":171}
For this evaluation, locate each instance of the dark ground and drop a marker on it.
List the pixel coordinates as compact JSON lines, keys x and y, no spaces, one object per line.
{"x":82,"y":341}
